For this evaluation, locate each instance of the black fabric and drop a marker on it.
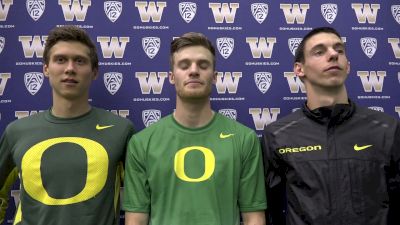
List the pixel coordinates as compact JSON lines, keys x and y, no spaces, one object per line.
{"x":335,"y":165}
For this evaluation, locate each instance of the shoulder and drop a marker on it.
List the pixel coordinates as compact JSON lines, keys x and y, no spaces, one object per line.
{"x":286,"y":122}
{"x":104,"y":115}
{"x":227,"y":124}
{"x":159,"y":127}
{"x":375,"y":116}
{"x":25,"y":122}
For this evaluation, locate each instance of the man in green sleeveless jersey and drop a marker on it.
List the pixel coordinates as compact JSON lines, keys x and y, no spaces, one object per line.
{"x":195,"y":166}
{"x":69,"y":158}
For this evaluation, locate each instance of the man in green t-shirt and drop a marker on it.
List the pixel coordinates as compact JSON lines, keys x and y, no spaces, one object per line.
{"x":194,"y":166}
{"x":69,"y":158}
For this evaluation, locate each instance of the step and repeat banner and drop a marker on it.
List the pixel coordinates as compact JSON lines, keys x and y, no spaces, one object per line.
{"x":255,"y":42}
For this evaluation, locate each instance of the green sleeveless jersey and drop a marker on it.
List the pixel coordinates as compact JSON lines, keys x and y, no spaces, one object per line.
{"x":202,"y":176}
{"x":69,"y":168}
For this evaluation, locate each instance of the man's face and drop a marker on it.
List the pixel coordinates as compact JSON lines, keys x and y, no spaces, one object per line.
{"x":69,"y":70}
{"x":325,"y":62}
{"x":193,"y":73}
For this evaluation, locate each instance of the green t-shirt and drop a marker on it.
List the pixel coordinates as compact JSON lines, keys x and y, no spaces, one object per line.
{"x":69,"y":168}
{"x":201,"y":176}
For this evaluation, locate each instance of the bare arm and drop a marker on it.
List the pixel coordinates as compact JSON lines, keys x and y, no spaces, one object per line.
{"x":253,"y":218}
{"x":132,"y":218}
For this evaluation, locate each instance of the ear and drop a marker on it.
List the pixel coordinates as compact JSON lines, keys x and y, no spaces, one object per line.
{"x":95,"y":74}
{"x":46,"y":70}
{"x":298,"y":69}
{"x":215,"y":77}
{"x":348,"y":67}
{"x":171,"y":77}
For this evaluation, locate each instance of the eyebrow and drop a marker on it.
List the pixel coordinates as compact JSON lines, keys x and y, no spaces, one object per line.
{"x":338,"y":44}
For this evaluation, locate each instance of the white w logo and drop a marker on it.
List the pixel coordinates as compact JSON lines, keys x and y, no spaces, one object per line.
{"x":227,"y":12}
{"x":116,"y":47}
{"x":150,"y":82}
{"x":260,"y":46}
{"x":150,"y":11}
{"x":394,"y":42}
{"x":31,"y":47}
{"x":372,"y":80}
{"x":228,"y":81}
{"x":366,"y":12}
{"x":3,"y":78}
{"x":294,"y":13}
{"x":4,"y":7}
{"x":77,"y":10}
{"x":295,"y":84}
{"x":267,"y":116}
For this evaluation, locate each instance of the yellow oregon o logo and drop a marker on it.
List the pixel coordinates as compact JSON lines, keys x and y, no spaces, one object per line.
{"x":97,"y":167}
{"x":209,"y":163}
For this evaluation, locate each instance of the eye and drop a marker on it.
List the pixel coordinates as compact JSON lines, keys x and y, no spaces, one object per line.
{"x":81,"y":61}
{"x":59,"y":59}
{"x":183,"y":65}
{"x":204,"y":65}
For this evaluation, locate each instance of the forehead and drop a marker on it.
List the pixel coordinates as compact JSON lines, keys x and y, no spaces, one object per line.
{"x":193,"y":53}
{"x":69,"y":48}
{"x":325,"y":39}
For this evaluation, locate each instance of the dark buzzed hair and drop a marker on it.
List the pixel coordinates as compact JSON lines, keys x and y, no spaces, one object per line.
{"x":70,"y":34}
{"x":188,"y":40}
{"x":299,"y":56}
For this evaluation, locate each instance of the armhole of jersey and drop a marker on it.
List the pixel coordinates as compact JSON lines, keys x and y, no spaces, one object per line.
{"x":18,"y":215}
{"x":117,"y":186}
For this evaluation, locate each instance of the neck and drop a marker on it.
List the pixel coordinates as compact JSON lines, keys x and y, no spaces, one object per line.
{"x":193,"y":114}
{"x":64,"y":108}
{"x":322,"y":97}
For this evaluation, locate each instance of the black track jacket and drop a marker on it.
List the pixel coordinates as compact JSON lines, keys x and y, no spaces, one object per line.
{"x":333,"y":166}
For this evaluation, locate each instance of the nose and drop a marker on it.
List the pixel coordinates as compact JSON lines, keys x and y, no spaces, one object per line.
{"x":333,"y":54}
{"x":70,"y":69}
{"x":194,"y":69}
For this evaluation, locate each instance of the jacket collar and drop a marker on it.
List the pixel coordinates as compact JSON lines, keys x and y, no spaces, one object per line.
{"x":335,"y":114}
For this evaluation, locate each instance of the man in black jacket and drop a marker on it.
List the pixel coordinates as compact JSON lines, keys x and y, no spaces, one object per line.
{"x":332,"y":162}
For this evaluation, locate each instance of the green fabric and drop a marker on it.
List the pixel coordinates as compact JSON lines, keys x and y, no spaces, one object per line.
{"x":201,"y":176}
{"x":68,"y":167}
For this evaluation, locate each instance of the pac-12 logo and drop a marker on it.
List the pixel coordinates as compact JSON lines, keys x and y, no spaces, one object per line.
{"x":2,"y":43}
{"x":225,"y":46}
{"x":35,"y":8}
{"x":230,"y":113}
{"x":33,"y":81}
{"x":329,"y":12}
{"x":369,"y":46}
{"x":75,"y":9}
{"x":396,"y":12}
{"x":263,"y":81}
{"x":259,"y":11}
{"x":113,"y":10}
{"x":294,"y":44}
{"x":151,"y":45}
{"x":150,"y":116}
{"x":113,"y":81}
{"x":187,"y":11}
{"x":4,"y":8}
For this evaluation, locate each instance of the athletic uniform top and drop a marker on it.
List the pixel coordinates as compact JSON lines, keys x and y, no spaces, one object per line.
{"x":201,"y":176}
{"x":69,"y":168}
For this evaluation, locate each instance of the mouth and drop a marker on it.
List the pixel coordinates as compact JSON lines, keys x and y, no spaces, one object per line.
{"x":333,"y":68}
{"x":69,"y":81}
{"x":189,"y":82}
